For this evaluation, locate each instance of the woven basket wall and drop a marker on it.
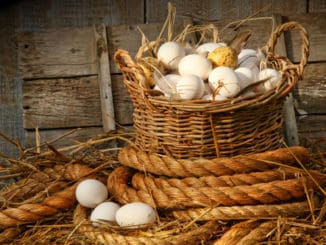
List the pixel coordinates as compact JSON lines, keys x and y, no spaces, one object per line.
{"x":198,"y":128}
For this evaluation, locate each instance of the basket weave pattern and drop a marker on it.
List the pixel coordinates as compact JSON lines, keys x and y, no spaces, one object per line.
{"x":209,"y":129}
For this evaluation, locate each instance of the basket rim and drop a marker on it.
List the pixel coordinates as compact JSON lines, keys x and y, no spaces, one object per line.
{"x":134,"y":79}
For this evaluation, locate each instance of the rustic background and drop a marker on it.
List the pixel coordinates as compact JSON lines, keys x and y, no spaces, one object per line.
{"x":43,"y":85}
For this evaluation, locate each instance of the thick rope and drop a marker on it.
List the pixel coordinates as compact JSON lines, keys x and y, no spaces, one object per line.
{"x":164,"y":165}
{"x":171,"y":197}
{"x":195,"y":235}
{"x":31,"y":212}
{"x":246,"y":232}
{"x":50,"y":179}
{"x":141,"y":181}
{"x":243,"y":212}
{"x":9,"y":234}
{"x":28,"y":213}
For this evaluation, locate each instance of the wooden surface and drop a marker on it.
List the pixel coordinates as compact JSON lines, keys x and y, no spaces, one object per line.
{"x":317,"y":6}
{"x":312,"y":132}
{"x":38,"y":15}
{"x":57,"y":53}
{"x":316,"y":27}
{"x":213,"y":10}
{"x":122,"y":104}
{"x":311,"y":91}
{"x":104,"y":78}
{"x":60,"y":103}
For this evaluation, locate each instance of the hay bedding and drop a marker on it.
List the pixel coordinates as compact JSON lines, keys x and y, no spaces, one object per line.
{"x":39,"y":206}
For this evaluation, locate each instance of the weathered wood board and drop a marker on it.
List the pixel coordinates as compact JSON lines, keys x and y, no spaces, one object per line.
{"x":35,"y":14}
{"x":122,"y":103}
{"x":310,"y":93}
{"x":104,"y":78}
{"x":213,"y":10}
{"x":317,"y":6}
{"x":316,"y":26}
{"x":59,"y":52}
{"x":312,"y":131}
{"x":61,"y":103}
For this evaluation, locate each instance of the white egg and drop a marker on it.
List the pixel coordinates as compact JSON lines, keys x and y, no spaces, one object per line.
{"x":248,"y":58}
{"x":196,"y":65}
{"x":172,"y":79}
{"x":206,"y":48}
{"x":91,"y":192}
{"x":217,"y":97}
{"x":255,"y":73}
{"x":250,"y":62}
{"x":167,"y":84}
{"x":245,"y":75}
{"x":170,"y":53}
{"x":190,"y":87}
{"x":104,"y":211}
{"x":225,"y":81}
{"x":136,"y":213}
{"x":273,"y":75}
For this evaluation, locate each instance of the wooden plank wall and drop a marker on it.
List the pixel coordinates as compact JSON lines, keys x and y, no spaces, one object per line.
{"x":35,"y":15}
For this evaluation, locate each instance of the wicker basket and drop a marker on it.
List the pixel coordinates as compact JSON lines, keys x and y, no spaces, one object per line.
{"x":199,"y":128}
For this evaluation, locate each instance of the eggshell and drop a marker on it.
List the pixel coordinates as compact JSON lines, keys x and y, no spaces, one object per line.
{"x":246,"y":53}
{"x":91,"y":192}
{"x":250,"y":62}
{"x":225,"y":80}
{"x":218,"y":97}
{"x":170,"y":53}
{"x":206,"y":48}
{"x":172,"y":78}
{"x":255,"y":73}
{"x":195,"y":64}
{"x":245,"y":75}
{"x":167,"y":84}
{"x":190,"y":87}
{"x":223,"y":56}
{"x":104,"y":211}
{"x":273,"y":75}
{"x":136,"y":213}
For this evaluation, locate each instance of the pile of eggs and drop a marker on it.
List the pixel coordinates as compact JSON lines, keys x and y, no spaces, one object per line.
{"x":92,"y":193}
{"x":211,"y":68}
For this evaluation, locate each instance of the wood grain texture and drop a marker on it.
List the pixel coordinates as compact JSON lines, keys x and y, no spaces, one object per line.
{"x":312,"y":132}
{"x":221,"y":9}
{"x":59,"y":52}
{"x":104,"y":78}
{"x":317,"y":6}
{"x":122,"y":103}
{"x":315,"y":23}
{"x":35,"y":14}
{"x":311,"y":91}
{"x":60,"y":103}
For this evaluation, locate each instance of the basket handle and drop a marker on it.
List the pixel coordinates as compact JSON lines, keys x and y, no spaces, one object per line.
{"x":126,"y":64}
{"x":304,"y":45}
